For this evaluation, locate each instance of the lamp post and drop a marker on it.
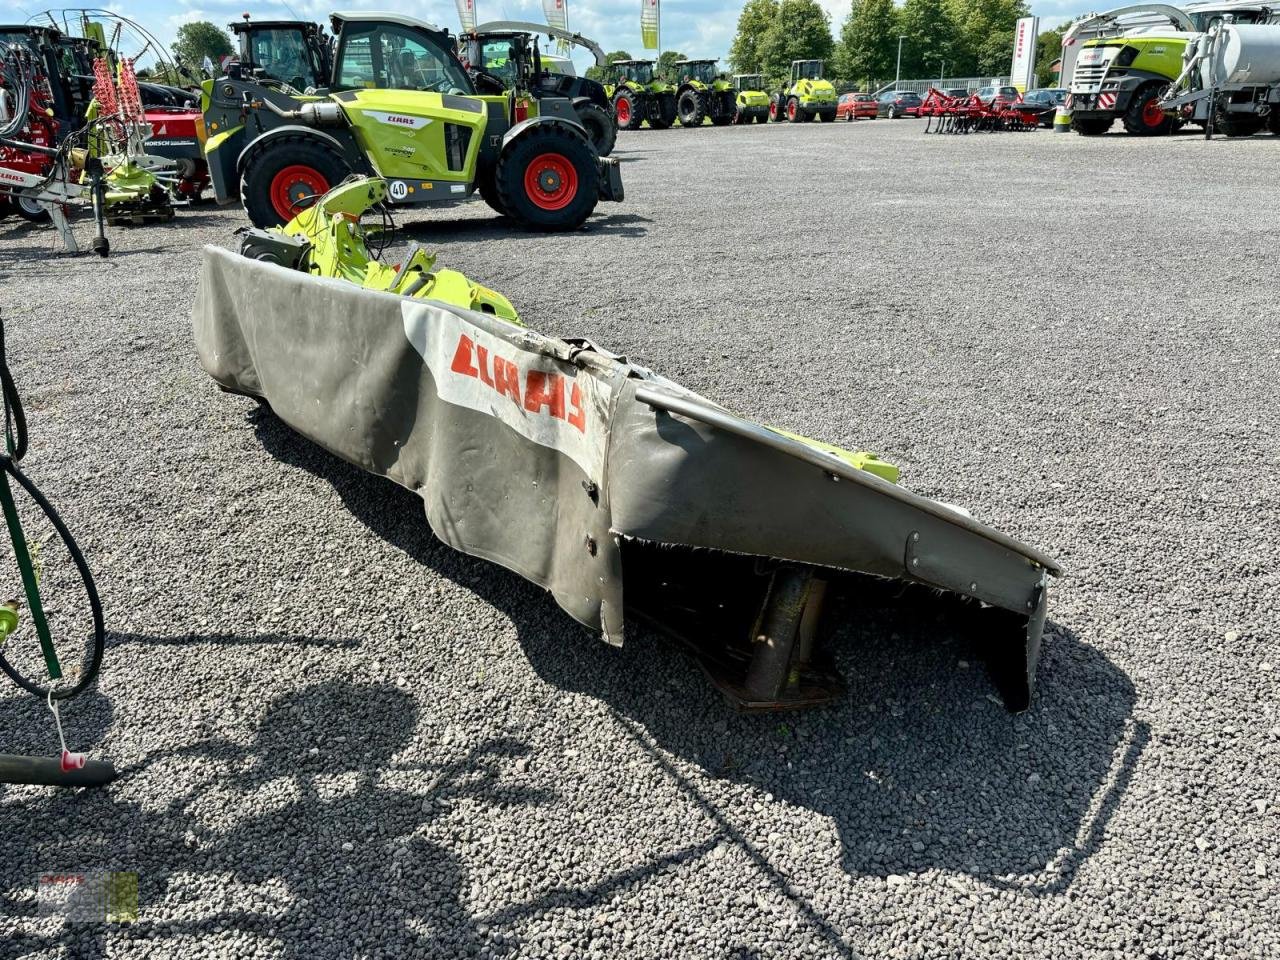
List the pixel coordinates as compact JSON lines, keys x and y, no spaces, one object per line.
{"x":942,"y":72}
{"x":897,"y":74}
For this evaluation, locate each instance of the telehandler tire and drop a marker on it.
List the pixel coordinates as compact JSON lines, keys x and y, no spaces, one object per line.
{"x":486,"y":185}
{"x":286,"y":176}
{"x":548,"y":178}
{"x":692,"y":109}
{"x":599,"y":126}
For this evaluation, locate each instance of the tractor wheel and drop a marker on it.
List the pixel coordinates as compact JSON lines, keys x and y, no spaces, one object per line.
{"x":487,"y":186}
{"x":826,"y":116}
{"x":1144,"y":118}
{"x":666,"y":112}
{"x":794,"y":113}
{"x":628,"y":110}
{"x":30,"y":210}
{"x":776,"y":113}
{"x":1237,"y":125}
{"x":599,"y":126}
{"x":722,"y":111}
{"x":285,"y":177}
{"x":762,"y":117}
{"x":692,"y":109}
{"x":1091,"y":126}
{"x":548,"y":178}
{"x":739,"y":118}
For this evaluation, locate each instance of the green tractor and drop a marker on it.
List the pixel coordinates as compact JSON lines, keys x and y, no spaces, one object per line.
{"x":750,"y":102}
{"x":399,"y":105}
{"x":638,"y":96}
{"x":503,"y":57}
{"x":807,"y":96}
{"x":703,"y":93}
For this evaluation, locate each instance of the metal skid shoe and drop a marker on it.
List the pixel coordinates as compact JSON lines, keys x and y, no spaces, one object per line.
{"x":782,"y":672}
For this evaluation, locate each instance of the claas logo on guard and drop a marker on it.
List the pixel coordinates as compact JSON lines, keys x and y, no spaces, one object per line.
{"x":539,"y":392}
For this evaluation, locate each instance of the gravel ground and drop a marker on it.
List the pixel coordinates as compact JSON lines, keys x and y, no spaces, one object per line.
{"x":339,"y":738}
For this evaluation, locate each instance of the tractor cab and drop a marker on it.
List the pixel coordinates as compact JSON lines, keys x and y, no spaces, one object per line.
{"x":294,"y":52}
{"x":380,"y":51}
{"x":697,"y":71}
{"x":66,"y":64}
{"x":806,"y":70}
{"x":636,"y":71}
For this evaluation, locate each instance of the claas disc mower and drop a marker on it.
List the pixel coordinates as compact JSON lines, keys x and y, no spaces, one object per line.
{"x":703,"y":93}
{"x":806,"y":96}
{"x":503,"y":58}
{"x":639,"y":96}
{"x":750,"y":101}
{"x":400,"y":106}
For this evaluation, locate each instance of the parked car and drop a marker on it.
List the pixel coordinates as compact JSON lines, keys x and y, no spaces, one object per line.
{"x":856,"y":106}
{"x":1003,"y":94}
{"x":958,"y":93}
{"x":898,"y":103}
{"x":1048,"y":97}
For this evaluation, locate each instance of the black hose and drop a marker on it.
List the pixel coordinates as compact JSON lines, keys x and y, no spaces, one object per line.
{"x":16,"y":436}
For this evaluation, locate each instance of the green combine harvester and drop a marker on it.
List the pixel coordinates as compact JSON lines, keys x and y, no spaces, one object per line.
{"x":750,"y":102}
{"x":638,"y":96}
{"x":806,"y":96}
{"x":703,"y":94}
{"x":399,"y":105}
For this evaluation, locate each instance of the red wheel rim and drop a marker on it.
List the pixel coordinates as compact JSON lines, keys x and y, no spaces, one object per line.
{"x":550,"y":181}
{"x":624,"y":110}
{"x":1152,"y":115}
{"x":773,"y":110}
{"x":293,"y":184}
{"x":791,"y":110}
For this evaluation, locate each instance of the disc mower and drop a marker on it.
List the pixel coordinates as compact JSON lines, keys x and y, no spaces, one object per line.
{"x":806,"y":96}
{"x":503,"y":58}
{"x":703,"y":94}
{"x":400,"y":106}
{"x":638,"y":96}
{"x":750,"y":101}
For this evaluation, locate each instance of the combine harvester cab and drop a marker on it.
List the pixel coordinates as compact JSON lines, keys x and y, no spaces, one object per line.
{"x":622,"y":493}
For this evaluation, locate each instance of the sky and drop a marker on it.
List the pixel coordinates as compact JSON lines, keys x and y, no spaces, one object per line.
{"x":697,"y":28}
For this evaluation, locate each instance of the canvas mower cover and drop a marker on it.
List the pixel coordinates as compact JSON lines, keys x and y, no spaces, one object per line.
{"x":622,"y":493}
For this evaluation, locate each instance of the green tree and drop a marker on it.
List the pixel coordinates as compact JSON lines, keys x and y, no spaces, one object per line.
{"x":868,"y":43}
{"x":200,"y":39}
{"x":753,"y":23}
{"x":929,"y":47}
{"x":985,"y":30}
{"x":601,"y":74}
{"x":665,"y":67}
{"x":1048,"y":49}
{"x":801,"y":31}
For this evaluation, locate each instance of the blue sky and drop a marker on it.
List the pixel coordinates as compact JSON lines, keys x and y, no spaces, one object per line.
{"x":698,"y":28}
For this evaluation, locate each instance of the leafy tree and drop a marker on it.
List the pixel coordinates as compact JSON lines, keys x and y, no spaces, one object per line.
{"x":930,"y":44}
{"x":753,"y":23}
{"x":801,"y":31}
{"x":1048,"y":49}
{"x":600,"y":73}
{"x":665,"y":67}
{"x":985,"y":29}
{"x":200,"y":39}
{"x":868,"y":42}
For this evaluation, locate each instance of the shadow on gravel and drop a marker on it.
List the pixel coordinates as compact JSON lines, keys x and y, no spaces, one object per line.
{"x":919,"y":765}
{"x":332,"y":860}
{"x":476,"y":230}
{"x":228,"y":640}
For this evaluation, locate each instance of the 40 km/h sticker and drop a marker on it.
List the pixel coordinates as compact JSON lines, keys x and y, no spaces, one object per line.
{"x":398,"y":189}
{"x":548,"y":402}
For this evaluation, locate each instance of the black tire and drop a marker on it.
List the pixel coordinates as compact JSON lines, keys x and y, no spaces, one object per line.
{"x":561,"y":148}
{"x":599,"y":126}
{"x":692,"y":108}
{"x":258,"y":182}
{"x":1140,"y":117}
{"x":1237,"y":125}
{"x":826,"y":116}
{"x":30,"y":210}
{"x":776,"y":111}
{"x":739,"y":118}
{"x":722,"y":109}
{"x":1273,"y":121}
{"x":891,"y":113}
{"x":1091,"y":126}
{"x":797,"y":113}
{"x":634,"y":109}
{"x":488,"y":190}
{"x":666,"y":112}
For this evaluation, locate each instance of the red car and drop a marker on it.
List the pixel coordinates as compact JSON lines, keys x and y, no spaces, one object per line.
{"x":856,"y":106}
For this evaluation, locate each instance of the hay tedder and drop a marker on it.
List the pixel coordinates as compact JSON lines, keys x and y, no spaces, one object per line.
{"x":626,"y":496}
{"x":972,"y":114}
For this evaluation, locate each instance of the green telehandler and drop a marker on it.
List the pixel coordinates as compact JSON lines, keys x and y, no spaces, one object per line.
{"x":638,"y":95}
{"x":703,"y":93}
{"x":399,"y":105}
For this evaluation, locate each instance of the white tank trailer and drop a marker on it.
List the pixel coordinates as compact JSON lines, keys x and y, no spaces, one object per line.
{"x":1230,"y":80}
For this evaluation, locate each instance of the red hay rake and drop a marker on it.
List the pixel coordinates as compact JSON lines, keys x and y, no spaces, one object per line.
{"x":944,"y":114}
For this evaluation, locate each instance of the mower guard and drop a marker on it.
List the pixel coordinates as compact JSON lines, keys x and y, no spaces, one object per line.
{"x":620,"y":492}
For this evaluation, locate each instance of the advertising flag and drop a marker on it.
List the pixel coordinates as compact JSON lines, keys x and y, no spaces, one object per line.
{"x":650,"y":24}
{"x":1023,"y":73}
{"x":467,"y":14}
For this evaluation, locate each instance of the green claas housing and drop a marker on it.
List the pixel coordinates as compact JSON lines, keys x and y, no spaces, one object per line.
{"x":806,"y":96}
{"x":638,"y":95}
{"x":750,"y":102}
{"x":400,"y":106}
{"x":702,"y":94}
